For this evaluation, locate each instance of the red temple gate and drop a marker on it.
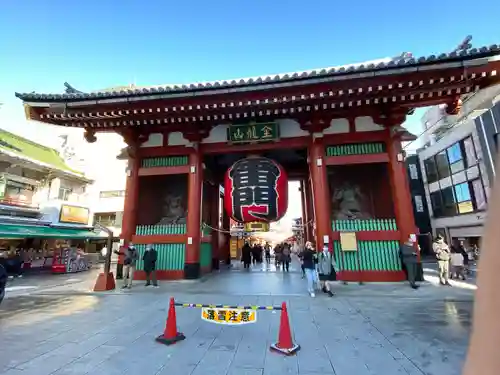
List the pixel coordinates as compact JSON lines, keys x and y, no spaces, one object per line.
{"x":336,"y":130}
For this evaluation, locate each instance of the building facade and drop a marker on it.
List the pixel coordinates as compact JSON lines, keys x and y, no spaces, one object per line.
{"x":106,"y":195}
{"x":336,"y":129}
{"x":459,"y":167}
{"x":33,"y":178}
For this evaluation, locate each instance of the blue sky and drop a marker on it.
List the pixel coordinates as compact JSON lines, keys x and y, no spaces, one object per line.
{"x":96,"y":43}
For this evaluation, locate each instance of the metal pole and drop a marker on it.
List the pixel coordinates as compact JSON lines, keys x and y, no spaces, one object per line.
{"x":109,"y":244}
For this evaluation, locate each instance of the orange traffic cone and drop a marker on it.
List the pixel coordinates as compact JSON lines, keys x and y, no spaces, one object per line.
{"x":170,"y":335}
{"x":285,"y":343}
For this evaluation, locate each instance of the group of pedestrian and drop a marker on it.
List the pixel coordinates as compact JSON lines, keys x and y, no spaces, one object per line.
{"x":319,"y":269}
{"x":283,"y":256}
{"x":453,"y":261}
{"x":131,"y":256}
{"x":252,"y":254}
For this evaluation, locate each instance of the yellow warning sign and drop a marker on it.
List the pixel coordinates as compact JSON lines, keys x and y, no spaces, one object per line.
{"x":228,"y":316}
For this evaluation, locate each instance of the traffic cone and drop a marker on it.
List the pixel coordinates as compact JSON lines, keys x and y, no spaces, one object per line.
{"x":170,"y":335}
{"x":285,"y":343}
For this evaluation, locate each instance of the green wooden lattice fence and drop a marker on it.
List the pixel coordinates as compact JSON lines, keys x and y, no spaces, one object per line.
{"x":166,"y":161}
{"x":170,"y":256}
{"x":152,"y":230}
{"x":364,"y":225}
{"x":356,"y":149}
{"x":371,"y":256}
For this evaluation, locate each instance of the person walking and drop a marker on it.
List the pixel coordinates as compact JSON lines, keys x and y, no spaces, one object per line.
{"x":309,"y":261}
{"x":150,"y":256}
{"x":246,"y":255}
{"x":409,"y":259}
{"x":129,"y":263}
{"x":327,"y":270}
{"x":443,"y":255}
{"x":457,"y":264}
{"x":267,"y":249}
{"x":286,"y":257}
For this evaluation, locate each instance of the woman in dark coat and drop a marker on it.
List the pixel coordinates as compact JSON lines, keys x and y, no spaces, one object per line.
{"x":246,"y":255}
{"x":149,"y":259}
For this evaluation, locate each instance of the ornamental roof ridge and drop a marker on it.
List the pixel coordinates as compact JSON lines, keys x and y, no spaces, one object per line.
{"x":402,"y":61}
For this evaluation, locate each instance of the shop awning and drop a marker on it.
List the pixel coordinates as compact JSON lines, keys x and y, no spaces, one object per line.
{"x":35,"y":231}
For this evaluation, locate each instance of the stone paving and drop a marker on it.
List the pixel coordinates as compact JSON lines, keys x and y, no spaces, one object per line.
{"x":370,"y":329}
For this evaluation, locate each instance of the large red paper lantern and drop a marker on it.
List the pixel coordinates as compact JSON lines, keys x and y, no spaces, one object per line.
{"x":256,"y":189}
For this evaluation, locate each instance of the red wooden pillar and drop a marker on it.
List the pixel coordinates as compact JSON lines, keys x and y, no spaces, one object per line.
{"x":129,"y":220}
{"x":214,"y":223}
{"x":225,"y":249}
{"x":321,"y":195}
{"x":304,"y":209}
{"x":195,"y":186}
{"x":308,"y":198}
{"x":403,"y":208}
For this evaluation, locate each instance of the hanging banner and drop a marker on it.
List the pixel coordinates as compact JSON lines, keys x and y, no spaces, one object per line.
{"x":256,"y":190}
{"x":228,"y":316}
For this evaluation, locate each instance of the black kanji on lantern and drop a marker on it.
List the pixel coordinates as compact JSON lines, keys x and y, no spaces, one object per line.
{"x":254,"y":184}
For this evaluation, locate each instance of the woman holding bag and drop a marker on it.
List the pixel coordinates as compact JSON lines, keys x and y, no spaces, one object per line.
{"x":327,"y":270}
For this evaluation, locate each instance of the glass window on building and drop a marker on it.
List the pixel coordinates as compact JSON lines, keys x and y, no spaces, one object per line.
{"x":111,"y":194}
{"x":463,"y":197}
{"x":437,"y":203}
{"x":454,"y":153}
{"x":443,"y":167}
{"x":107,"y":219}
{"x":455,"y":158}
{"x":479,"y":194}
{"x":470,"y":152}
{"x":64,"y":194}
{"x":431,"y":170}
{"x":449,"y":202}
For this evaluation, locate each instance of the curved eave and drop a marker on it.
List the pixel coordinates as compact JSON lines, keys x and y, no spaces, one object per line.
{"x":394,"y":66}
{"x":39,"y":164}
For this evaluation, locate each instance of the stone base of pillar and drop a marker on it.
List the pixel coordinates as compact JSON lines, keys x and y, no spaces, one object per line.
{"x":119,"y":271}
{"x":215,"y":264}
{"x":192,"y":271}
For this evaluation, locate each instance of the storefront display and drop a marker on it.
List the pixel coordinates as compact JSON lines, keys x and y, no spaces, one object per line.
{"x":70,"y":260}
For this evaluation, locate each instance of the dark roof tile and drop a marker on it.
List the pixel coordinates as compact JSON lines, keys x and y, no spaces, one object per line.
{"x":376,"y":65}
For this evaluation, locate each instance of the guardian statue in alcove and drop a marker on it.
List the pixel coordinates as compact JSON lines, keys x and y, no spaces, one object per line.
{"x":173,"y":211}
{"x":347,"y":201}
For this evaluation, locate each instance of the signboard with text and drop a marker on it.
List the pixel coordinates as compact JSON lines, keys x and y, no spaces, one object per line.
{"x":261,"y":132}
{"x":74,"y":215}
{"x":228,"y":316}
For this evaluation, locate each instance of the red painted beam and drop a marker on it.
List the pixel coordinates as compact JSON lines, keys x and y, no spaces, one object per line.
{"x":370,"y":235}
{"x":161,"y":275}
{"x":358,"y":137}
{"x":357,"y":159}
{"x":153,"y":152}
{"x":371,"y":276}
{"x":160,"y":171}
{"x":225,"y":148}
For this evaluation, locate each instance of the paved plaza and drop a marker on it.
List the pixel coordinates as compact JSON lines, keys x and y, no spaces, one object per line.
{"x":365,"y":329}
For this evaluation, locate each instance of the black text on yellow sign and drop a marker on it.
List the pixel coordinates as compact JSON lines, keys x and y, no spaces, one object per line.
{"x":228,"y":316}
